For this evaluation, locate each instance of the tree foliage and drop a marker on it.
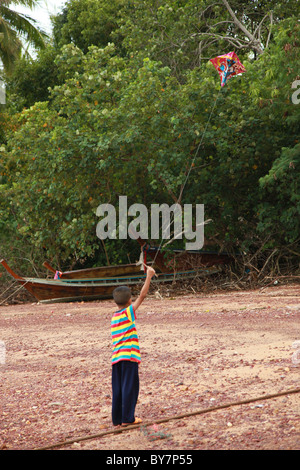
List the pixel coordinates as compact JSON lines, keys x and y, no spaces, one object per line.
{"x":88,"y":22}
{"x":128,"y":119}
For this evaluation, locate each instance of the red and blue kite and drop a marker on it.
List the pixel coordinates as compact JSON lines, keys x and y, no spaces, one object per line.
{"x":227,"y":65}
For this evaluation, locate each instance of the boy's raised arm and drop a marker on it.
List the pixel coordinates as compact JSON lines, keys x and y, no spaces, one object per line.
{"x":150,"y":273}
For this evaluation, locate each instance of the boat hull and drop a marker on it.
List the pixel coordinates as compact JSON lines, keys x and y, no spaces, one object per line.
{"x":49,"y":290}
{"x":46,"y":291}
{"x":98,"y":272}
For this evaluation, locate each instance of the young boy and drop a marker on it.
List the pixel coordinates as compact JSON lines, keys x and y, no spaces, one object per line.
{"x":126,"y":354}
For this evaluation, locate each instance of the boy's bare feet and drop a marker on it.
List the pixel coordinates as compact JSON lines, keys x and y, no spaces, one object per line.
{"x":136,"y":421}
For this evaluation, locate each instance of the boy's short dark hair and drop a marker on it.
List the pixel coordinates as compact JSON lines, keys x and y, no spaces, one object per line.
{"x":121,"y":295}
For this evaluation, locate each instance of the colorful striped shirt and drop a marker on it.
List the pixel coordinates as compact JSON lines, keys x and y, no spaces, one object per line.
{"x":124,"y":336}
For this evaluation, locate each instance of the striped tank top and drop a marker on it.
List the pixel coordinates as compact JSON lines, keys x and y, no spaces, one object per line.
{"x":124,"y":336}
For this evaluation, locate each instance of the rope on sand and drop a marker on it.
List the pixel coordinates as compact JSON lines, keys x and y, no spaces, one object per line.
{"x":170,"y":418}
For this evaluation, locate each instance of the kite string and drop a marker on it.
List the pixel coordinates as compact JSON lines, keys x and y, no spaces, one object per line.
{"x":190,"y":168}
{"x":198,"y":148}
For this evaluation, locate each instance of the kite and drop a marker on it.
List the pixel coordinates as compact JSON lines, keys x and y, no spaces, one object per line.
{"x":227,"y":65}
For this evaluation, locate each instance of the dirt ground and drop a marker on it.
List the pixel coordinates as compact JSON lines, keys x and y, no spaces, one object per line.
{"x":198,"y":351}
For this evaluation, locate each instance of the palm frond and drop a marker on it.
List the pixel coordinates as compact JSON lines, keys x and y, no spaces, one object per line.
{"x":10,"y":45}
{"x":25,"y":26}
{"x":17,"y":28}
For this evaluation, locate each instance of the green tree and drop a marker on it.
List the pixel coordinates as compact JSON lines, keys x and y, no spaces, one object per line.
{"x":279,"y":211}
{"x":31,"y":79}
{"x":87,"y":23}
{"x":183,"y":34}
{"x":120,"y":125}
{"x":279,"y":208}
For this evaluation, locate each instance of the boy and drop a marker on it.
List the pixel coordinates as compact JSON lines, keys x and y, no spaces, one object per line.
{"x":126,"y":354}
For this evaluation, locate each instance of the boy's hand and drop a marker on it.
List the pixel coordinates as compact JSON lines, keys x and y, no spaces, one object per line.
{"x":150,"y":272}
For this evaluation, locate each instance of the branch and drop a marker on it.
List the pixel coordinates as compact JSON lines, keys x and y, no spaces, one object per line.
{"x":235,"y":42}
{"x":216,"y":24}
{"x":258,"y":28}
{"x":271,"y":24}
{"x":240,"y":25}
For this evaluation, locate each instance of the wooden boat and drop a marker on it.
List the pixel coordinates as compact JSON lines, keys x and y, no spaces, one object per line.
{"x":175,"y":260}
{"x":68,"y":290}
{"x":96,"y":273}
{"x":182,"y":260}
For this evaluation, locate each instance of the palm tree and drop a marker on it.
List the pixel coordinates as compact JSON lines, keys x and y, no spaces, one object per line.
{"x":15,"y":26}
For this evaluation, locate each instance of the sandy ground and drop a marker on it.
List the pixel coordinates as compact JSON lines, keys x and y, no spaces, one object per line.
{"x":198,"y":351}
